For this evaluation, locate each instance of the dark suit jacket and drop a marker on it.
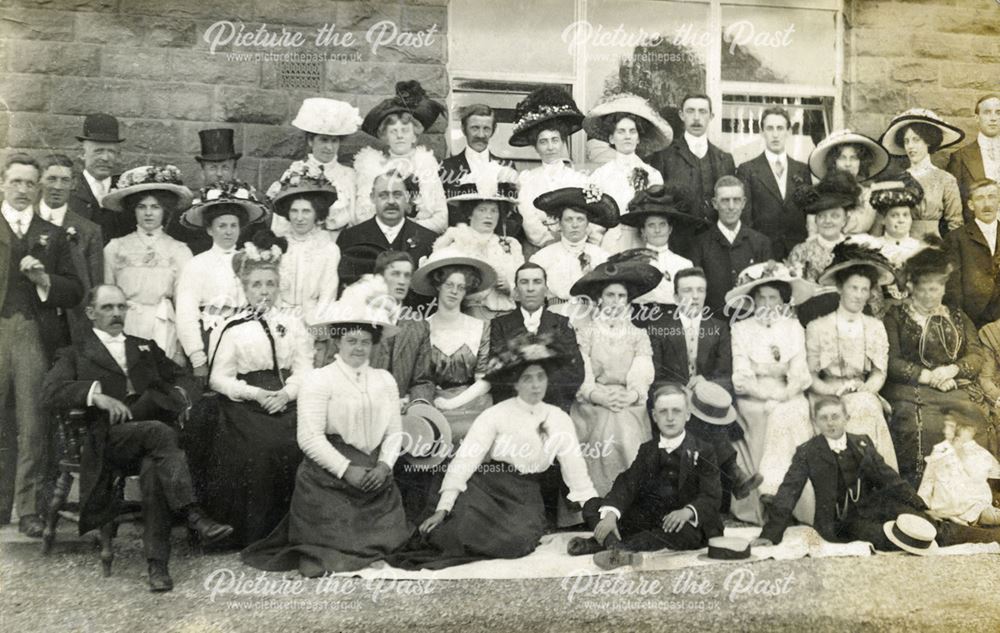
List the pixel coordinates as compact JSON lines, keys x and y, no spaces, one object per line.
{"x":723,"y":262}
{"x":975,"y":283}
{"x":413,"y":239}
{"x":113,"y":223}
{"x":698,"y":484}
{"x":87,"y":247}
{"x":680,"y":167}
{"x":407,"y":356}
{"x":68,"y":383}
{"x":670,"y":357}
{"x":454,"y":169}
{"x":966,"y":165}
{"x":813,"y":461}
{"x":565,"y":381}
{"x":777,"y":217}
{"x":66,"y":290}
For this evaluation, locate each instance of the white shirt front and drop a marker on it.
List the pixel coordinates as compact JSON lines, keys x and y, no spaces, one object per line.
{"x":19,"y":221}
{"x":476,"y":160}
{"x":730,"y":235}
{"x":671,"y":444}
{"x":692,"y":331}
{"x":774,"y":160}
{"x":989,"y":149}
{"x":990,"y":233}
{"x":697,"y":144}
{"x":99,"y":188}
{"x":839,"y":444}
{"x":55,"y":216}
{"x":532,"y":320}
{"x":116,"y":347}
{"x":390,"y":232}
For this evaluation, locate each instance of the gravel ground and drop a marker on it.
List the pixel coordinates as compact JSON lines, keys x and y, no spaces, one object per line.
{"x":884,"y":593}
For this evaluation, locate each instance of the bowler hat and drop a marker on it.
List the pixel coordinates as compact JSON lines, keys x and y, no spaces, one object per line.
{"x":217,"y":145}
{"x":100,"y":127}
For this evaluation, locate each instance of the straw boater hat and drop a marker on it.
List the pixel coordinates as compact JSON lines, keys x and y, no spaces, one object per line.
{"x":658,"y":133}
{"x":100,"y":127}
{"x":220,"y":198}
{"x":950,"y":134}
{"x":319,"y":115}
{"x":712,"y":403}
{"x":771,"y":272}
{"x":148,"y":178}
{"x":600,"y":208}
{"x":817,"y":159}
{"x":521,"y":351}
{"x":903,"y":191}
{"x":658,"y":200}
{"x":427,"y":438}
{"x":912,"y":533}
{"x":410,"y":98}
{"x":306,"y":179}
{"x":544,"y":105}
{"x":837,"y":189}
{"x":217,"y":145}
{"x":630,"y":269}
{"x":851,"y":253}
{"x":421,"y":282}
{"x":723,"y":549}
{"x":365,"y":303}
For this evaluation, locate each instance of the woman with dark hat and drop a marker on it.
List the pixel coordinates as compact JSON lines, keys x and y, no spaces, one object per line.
{"x":309,"y":280}
{"x":610,"y":413}
{"x":859,"y":156}
{"x":325,"y":123}
{"x":770,"y":377}
{"x":573,"y":209}
{"x":258,"y":361}
{"x":917,"y":134}
{"x":935,"y":358}
{"x":896,"y":200}
{"x":490,"y":502}
{"x":346,"y":511}
{"x":208,"y":291}
{"x":848,"y":351}
{"x":398,"y":122}
{"x":627,"y":123}
{"x":483,"y":209}
{"x":545,"y":120}
{"x":147,"y":263}
{"x":460,"y":344}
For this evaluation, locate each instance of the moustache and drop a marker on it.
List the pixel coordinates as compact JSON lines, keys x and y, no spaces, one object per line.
{"x":117,"y":321}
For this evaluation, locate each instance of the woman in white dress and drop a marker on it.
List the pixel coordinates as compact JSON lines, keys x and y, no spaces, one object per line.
{"x":546,"y":119}
{"x":858,"y":155}
{"x":147,"y":263}
{"x":627,"y":123}
{"x":398,"y":122}
{"x":326,"y":122}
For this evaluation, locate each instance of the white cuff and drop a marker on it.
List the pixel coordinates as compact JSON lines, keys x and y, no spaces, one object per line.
{"x":447,"y":501}
{"x":94,"y":390}
{"x":693,"y":521}
{"x":198,"y":359}
{"x":605,"y":510}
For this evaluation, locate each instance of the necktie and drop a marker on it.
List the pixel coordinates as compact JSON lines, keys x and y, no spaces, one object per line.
{"x":779,"y":169}
{"x":22,"y":226}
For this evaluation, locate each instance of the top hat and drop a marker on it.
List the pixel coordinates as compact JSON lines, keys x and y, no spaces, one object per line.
{"x":658,"y":133}
{"x":712,"y":403}
{"x":217,"y":145}
{"x":411,"y":98}
{"x":912,"y":533}
{"x":100,"y":127}
{"x":817,"y":159}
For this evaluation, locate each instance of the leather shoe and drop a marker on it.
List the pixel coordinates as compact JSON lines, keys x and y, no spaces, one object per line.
{"x":208,"y":531}
{"x":742,"y":489}
{"x":579,"y":546}
{"x":31,"y":525}
{"x":159,"y":577}
{"x":616,"y":557}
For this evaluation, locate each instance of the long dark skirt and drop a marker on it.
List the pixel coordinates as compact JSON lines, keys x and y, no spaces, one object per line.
{"x":500,"y":515}
{"x":333,"y":526}
{"x":250,"y":474}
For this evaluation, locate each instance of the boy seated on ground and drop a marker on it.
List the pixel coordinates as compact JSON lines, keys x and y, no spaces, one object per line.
{"x":668,"y":498}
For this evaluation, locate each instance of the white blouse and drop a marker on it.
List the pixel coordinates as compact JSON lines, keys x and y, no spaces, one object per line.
{"x":309,"y":278}
{"x":245,"y":348}
{"x":529,"y":438}
{"x":614,"y":178}
{"x":503,"y":254}
{"x":208,"y":292}
{"x":561,"y":262}
{"x":361,"y":405}
{"x":539,"y":227}
{"x":668,"y":263}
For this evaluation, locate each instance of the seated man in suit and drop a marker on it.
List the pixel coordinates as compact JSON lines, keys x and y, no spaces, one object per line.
{"x":856,"y":491}
{"x":980,"y":159}
{"x":668,"y":498}
{"x":132,"y":391}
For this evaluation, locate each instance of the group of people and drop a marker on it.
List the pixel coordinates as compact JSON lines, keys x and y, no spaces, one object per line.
{"x":435,"y":363}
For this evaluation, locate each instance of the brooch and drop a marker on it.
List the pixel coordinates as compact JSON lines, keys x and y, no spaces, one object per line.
{"x":281,"y":330}
{"x":776,"y":353}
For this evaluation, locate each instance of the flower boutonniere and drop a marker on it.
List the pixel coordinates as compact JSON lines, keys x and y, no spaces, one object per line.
{"x":505,"y":245}
{"x":281,"y":330}
{"x":39,"y":248}
{"x":144,"y":348}
{"x":638,"y":179}
{"x":411,"y":243}
{"x":694,"y":456}
{"x":72,"y":235}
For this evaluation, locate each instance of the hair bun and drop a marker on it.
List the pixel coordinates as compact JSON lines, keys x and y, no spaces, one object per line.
{"x":264,"y":239}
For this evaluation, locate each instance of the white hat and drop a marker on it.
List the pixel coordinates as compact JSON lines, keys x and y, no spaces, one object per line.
{"x":950,"y":133}
{"x":912,"y":533}
{"x":148,"y":178}
{"x":772,"y":271}
{"x":320,"y":115}
{"x":659,"y":134}
{"x":366,"y":302}
{"x":817,"y":159}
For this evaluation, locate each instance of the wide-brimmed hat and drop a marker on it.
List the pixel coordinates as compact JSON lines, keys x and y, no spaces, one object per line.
{"x":903,"y":190}
{"x":853,"y":253}
{"x":100,"y":127}
{"x":465,"y":196}
{"x":410,"y":97}
{"x":932,"y":260}
{"x":544,"y":105}
{"x":600,"y":208}
{"x":837,"y":189}
{"x":722,"y":549}
{"x":712,"y":403}
{"x":148,"y":178}
{"x":304,"y":179}
{"x":319,"y":115}
{"x":630,"y":269}
{"x":912,"y":533}
{"x":366,"y":303}
{"x":217,"y":145}
{"x":817,"y":159}
{"x":519,"y":352}
{"x":421,"y":282}
{"x":771,"y":272}
{"x":658,"y":133}
{"x":658,"y":200}
{"x":225,"y":194}
{"x":950,"y":134}
{"x":427,"y":438}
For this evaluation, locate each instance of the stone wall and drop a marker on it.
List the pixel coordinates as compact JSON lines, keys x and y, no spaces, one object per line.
{"x":935,"y":54}
{"x":148,"y":63}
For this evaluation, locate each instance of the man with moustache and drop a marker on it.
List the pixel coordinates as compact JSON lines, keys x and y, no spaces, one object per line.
{"x":973,"y":252}
{"x":37,"y":278}
{"x":980,"y":159}
{"x":694,"y":164}
{"x":101,"y":148}
{"x":476,"y":163}
{"x":729,"y":246}
{"x":770,"y":180}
